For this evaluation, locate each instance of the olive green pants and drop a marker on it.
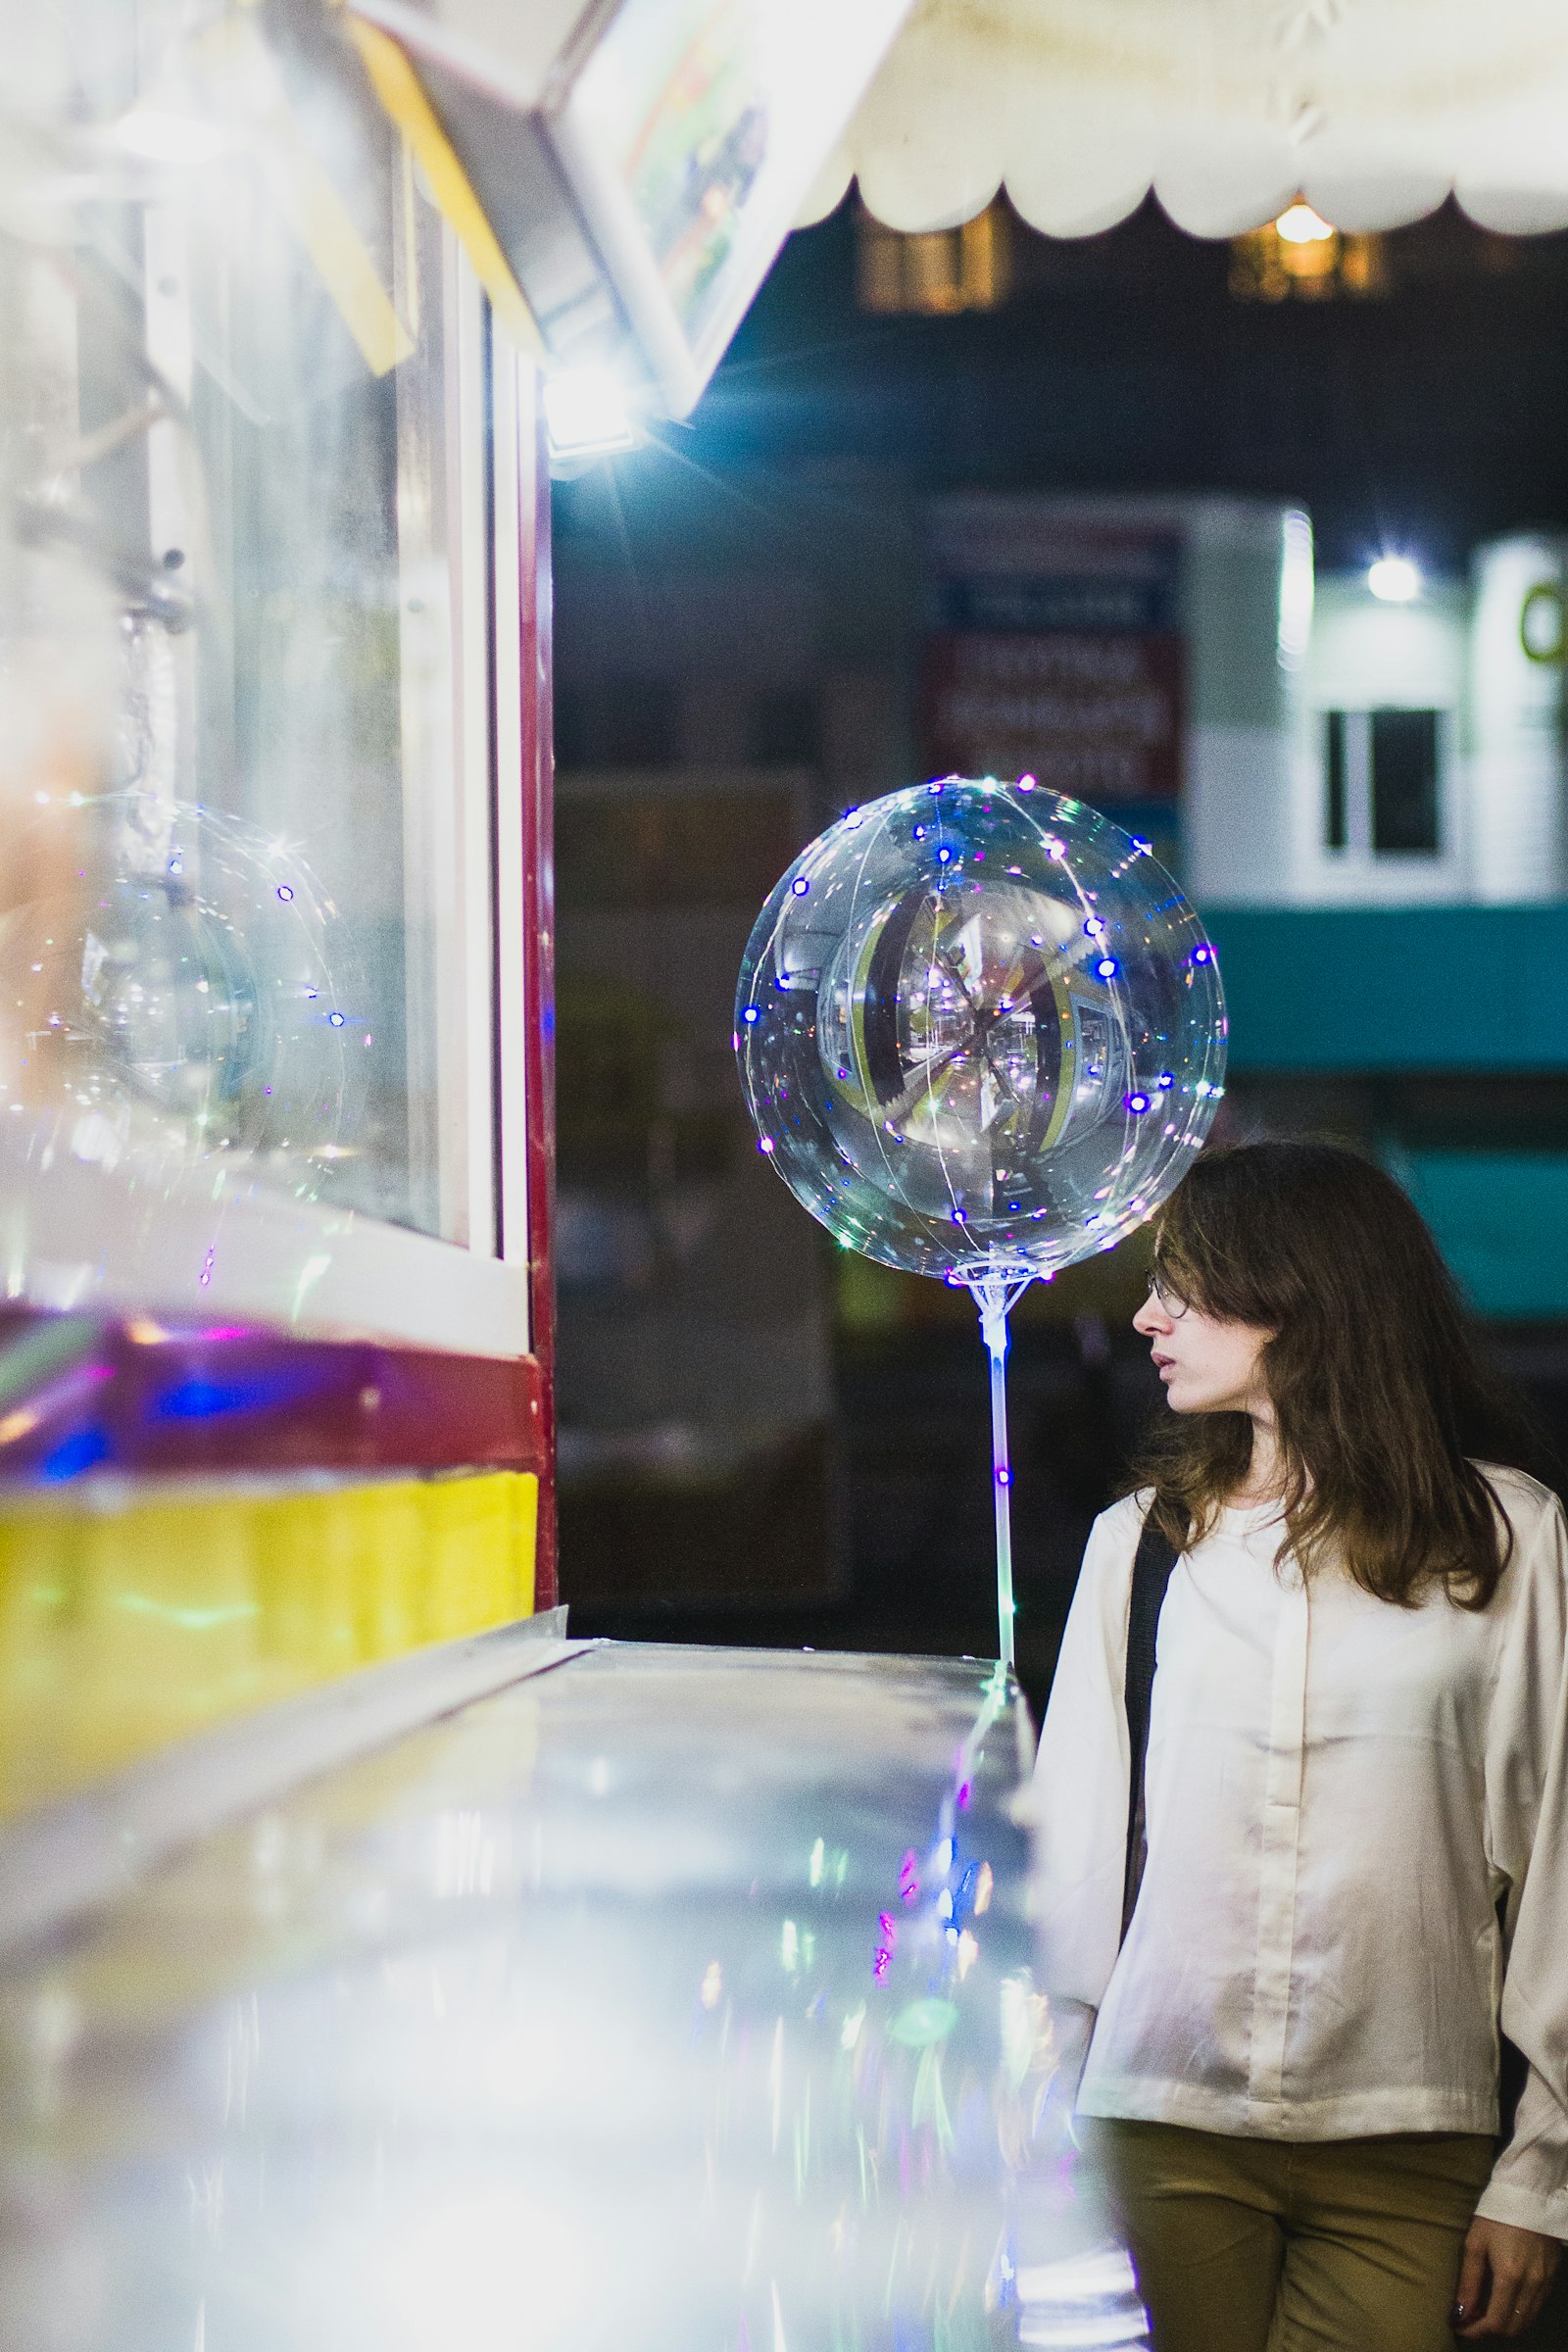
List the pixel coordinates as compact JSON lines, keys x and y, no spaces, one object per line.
{"x":1271,"y":2245}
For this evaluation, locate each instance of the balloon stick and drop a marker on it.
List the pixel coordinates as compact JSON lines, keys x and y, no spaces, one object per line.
{"x":996,"y":1295}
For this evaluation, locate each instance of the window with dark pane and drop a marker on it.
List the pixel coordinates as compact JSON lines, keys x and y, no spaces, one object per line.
{"x":1335,"y":825}
{"x":1405,"y":781}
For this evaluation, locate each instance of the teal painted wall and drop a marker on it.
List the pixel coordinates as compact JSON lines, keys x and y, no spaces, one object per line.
{"x":1418,"y":987}
{"x":1500,"y":1219}
{"x":1408,"y":990}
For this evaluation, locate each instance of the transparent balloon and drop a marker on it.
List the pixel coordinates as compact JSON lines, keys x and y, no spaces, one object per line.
{"x":980,"y":1031}
{"x":172,"y":988}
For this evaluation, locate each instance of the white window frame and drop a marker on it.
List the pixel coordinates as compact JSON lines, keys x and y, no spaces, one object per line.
{"x":215,"y":1242}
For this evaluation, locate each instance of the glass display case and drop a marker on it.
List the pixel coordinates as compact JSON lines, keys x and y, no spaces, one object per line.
{"x":262,"y":539}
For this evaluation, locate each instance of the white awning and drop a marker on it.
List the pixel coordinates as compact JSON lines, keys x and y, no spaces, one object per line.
{"x":1372,"y":110}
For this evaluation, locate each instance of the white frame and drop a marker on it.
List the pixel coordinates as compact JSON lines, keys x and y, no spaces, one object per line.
{"x":213,"y":1241}
{"x":844,"y":64}
{"x":514,"y":398}
{"x":464,"y":978}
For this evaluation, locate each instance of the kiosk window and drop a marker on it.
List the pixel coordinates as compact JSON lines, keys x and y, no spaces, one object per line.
{"x":254,"y":540}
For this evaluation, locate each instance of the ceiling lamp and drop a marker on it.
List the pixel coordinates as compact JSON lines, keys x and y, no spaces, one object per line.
{"x":1394,"y":579}
{"x":1299,"y":224}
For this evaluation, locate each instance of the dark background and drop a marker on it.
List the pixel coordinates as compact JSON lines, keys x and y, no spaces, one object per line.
{"x":1425,"y":418}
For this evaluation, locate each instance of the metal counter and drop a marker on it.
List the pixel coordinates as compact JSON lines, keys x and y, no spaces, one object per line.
{"x":664,"y":1998}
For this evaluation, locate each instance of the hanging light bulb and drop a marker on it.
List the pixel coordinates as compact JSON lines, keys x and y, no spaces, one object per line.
{"x":1299,"y":224}
{"x":587,"y":413}
{"x":1394,"y":579}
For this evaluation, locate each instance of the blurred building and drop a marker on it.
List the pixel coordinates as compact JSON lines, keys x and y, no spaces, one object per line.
{"x":1358,"y":775}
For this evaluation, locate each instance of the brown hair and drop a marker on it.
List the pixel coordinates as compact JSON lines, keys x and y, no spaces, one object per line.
{"x":1375,"y":1381}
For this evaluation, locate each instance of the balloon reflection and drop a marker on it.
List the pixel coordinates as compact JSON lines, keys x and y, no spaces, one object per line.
{"x":560,"y":2023}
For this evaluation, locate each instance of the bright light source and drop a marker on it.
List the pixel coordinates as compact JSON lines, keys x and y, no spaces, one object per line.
{"x":1394,"y":578}
{"x":587,"y":413}
{"x":1299,"y":224}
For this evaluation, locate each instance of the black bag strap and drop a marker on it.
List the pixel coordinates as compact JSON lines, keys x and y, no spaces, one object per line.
{"x":1153,"y":1563}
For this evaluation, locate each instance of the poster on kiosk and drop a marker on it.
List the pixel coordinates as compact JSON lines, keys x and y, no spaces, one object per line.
{"x":640,"y":166}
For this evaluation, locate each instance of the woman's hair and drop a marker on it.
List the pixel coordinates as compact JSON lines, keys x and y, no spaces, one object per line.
{"x":1375,"y":1386}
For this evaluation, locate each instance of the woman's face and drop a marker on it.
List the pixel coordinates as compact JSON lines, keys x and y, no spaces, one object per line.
{"x":1207,"y":1366}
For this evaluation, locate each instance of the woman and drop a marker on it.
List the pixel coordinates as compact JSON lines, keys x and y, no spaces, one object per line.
{"x":1356,"y":1797}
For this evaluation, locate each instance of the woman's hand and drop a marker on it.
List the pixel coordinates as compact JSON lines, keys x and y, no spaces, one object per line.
{"x":1502,"y":2279}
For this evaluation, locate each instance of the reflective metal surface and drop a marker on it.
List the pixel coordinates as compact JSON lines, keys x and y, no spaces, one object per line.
{"x":669,"y":1998}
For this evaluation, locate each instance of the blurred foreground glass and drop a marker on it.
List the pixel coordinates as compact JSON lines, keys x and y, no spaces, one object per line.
{"x":671,"y":2000}
{"x":230,"y":620}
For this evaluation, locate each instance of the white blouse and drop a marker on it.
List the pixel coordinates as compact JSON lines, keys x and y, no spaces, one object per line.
{"x":1339,"y":1791}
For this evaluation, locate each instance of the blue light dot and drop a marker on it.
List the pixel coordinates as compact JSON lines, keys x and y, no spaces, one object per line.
{"x":284,"y":892}
{"x":1093,"y":928}
{"x":1107,"y":967}
{"x":337,"y":1019}
{"x":1203,"y":954}
{"x":943,"y":856}
{"x":959,"y":1217}
{"x":1165,"y":1079}
{"x":752,"y":1014}
{"x":1145,"y":849}
{"x":1003,"y":1475}
{"x":1137,"y":1102}
{"x":799,"y":886}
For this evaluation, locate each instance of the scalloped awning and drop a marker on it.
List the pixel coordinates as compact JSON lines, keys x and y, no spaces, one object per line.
{"x":1372,"y":110}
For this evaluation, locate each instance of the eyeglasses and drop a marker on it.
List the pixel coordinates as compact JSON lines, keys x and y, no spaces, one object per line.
{"x":1169,"y":1301}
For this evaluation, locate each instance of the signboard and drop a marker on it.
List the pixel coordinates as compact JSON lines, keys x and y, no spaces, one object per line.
{"x":1056,"y":649}
{"x":691,"y":136}
{"x":629,"y":163}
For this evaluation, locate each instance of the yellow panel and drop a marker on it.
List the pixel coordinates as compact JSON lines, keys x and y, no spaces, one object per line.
{"x":123,"y":1629}
{"x":402,"y":94}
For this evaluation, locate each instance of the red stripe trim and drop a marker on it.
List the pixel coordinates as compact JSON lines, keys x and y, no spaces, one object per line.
{"x":539,"y":954}
{"x":85,"y":1395}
